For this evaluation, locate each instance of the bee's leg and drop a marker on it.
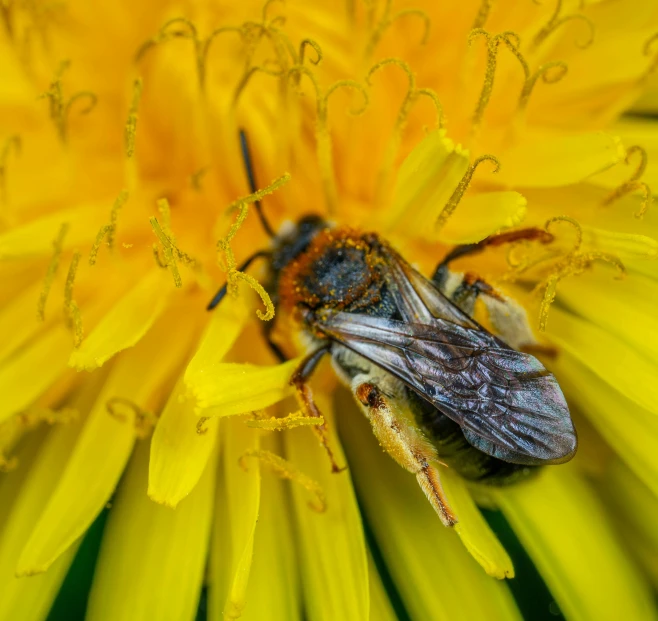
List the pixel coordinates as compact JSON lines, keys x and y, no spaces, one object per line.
{"x":300,"y":380}
{"x":268,"y":327}
{"x":403,"y":441}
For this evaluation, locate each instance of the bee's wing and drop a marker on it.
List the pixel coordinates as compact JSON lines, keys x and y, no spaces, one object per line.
{"x":507,"y":404}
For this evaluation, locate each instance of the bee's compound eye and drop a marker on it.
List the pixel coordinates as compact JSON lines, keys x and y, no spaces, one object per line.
{"x":368,"y":394}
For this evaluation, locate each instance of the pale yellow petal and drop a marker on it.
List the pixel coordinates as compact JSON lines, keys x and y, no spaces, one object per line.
{"x":631,"y":430}
{"x":18,"y":320}
{"x":333,"y":557}
{"x":473,"y":529}
{"x":238,"y":507}
{"x":635,"y":510}
{"x":24,"y":376}
{"x":426,"y":180}
{"x":105,"y":444}
{"x":30,"y":598}
{"x":36,"y":237}
{"x":179,"y":449}
{"x":480,"y":215}
{"x":225,"y":326}
{"x":125,"y":324}
{"x":625,"y":308}
{"x":152,"y":558}
{"x":380,"y":605}
{"x":434,"y":573}
{"x":224,"y":389}
{"x":271,"y":595}
{"x":566,"y":532}
{"x":550,"y":161}
{"x":610,"y":357}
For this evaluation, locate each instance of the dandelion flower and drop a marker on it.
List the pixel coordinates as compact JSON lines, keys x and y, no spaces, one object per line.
{"x":124,"y":205}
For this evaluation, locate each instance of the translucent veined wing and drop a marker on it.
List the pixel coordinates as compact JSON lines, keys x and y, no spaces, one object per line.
{"x":507,"y":404}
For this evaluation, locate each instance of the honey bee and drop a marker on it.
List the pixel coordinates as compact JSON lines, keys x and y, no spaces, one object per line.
{"x":435,"y":385}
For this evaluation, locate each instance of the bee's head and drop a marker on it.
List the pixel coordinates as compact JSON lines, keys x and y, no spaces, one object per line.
{"x":294,"y":238}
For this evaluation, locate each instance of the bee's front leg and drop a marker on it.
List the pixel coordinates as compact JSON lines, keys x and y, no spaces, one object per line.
{"x":299,"y":380}
{"x":404,"y":441}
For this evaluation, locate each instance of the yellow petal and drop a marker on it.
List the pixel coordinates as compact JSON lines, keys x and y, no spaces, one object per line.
{"x":18,"y":320}
{"x":621,"y":244}
{"x":609,"y":357}
{"x":603,"y":301}
{"x":333,"y":557}
{"x":566,"y":532}
{"x":635,"y":510}
{"x":152,"y":559}
{"x":238,"y":507}
{"x":271,"y":595}
{"x":225,"y":389}
{"x":631,"y":430}
{"x":426,"y":180}
{"x":436,"y":576}
{"x":105,"y":443}
{"x":125,"y":324}
{"x":179,"y":453}
{"x":225,"y":326}
{"x":380,"y":606}
{"x":480,"y":215}
{"x":36,"y":238}
{"x":474,"y":530}
{"x":24,"y":376}
{"x":548,"y":161}
{"x":179,"y":450}
{"x":31,"y":598}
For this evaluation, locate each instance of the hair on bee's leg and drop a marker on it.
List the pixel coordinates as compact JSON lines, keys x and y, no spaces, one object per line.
{"x":300,"y":380}
{"x":404,"y":442}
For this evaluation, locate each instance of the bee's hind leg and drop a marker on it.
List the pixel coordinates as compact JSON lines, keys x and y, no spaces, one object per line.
{"x":299,"y":380}
{"x":404,"y":442}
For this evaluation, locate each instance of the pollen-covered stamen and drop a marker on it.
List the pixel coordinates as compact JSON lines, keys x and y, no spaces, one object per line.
{"x":196,"y":178}
{"x":108,"y":230}
{"x":634,"y":182}
{"x":556,"y":22}
{"x":189,"y":31}
{"x":169,"y":255}
{"x":60,"y":109}
{"x":387,"y":20}
{"x":412,"y":95}
{"x":296,"y":419}
{"x":58,"y":244}
{"x":512,"y":41}
{"x":172,"y":253}
{"x":302,"y":51}
{"x":71,"y":310}
{"x":550,"y":73}
{"x":130,"y":130}
{"x":323,"y":138}
{"x":286,"y":470}
{"x":461,"y":188}
{"x":573,"y":264}
{"x":143,"y":420}
{"x":226,"y":257}
{"x":39,"y":414}
{"x":483,"y":13}
{"x":13,"y":143}
{"x":201,"y":428}
{"x":248,"y":74}
{"x":651,"y":49}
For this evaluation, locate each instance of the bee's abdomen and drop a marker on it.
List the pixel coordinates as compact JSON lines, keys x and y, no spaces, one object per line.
{"x":453,"y":448}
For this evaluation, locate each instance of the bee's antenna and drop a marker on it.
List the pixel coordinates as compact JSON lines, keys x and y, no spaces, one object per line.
{"x":219,"y":296}
{"x":246,"y":156}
